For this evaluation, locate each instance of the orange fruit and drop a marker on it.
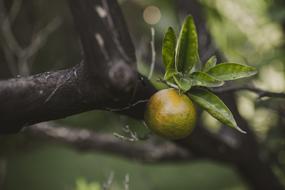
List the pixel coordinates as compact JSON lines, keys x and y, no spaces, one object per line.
{"x":170,"y":114}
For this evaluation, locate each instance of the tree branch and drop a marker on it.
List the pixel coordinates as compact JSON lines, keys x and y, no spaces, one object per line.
{"x":260,"y":92}
{"x":18,"y":57}
{"x":96,"y":83}
{"x":85,"y":140}
{"x":54,"y":95}
{"x":104,"y":37}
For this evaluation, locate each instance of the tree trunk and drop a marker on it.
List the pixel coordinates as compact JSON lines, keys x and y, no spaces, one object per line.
{"x":2,"y":172}
{"x":259,"y":175}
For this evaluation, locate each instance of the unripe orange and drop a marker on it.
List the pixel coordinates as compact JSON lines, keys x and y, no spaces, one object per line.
{"x":170,"y":114}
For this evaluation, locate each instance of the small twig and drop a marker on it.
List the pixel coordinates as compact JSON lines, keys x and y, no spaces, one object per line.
{"x":131,"y":135}
{"x":6,"y":30}
{"x":124,"y":138}
{"x":126,"y":107}
{"x":14,"y":11}
{"x":11,"y":47}
{"x":108,"y":183}
{"x":40,"y":38}
{"x":38,"y":41}
{"x":153,"y":53}
{"x":260,"y":92}
{"x":171,"y":85}
{"x":127,"y":182}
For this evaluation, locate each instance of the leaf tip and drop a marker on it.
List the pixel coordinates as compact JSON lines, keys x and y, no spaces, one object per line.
{"x":254,"y":71}
{"x":240,"y":130}
{"x":170,"y":29}
{"x":189,"y":17}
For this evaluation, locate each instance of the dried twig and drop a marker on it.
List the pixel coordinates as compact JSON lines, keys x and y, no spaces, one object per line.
{"x":107,"y":184}
{"x":153,"y":52}
{"x":127,"y":182}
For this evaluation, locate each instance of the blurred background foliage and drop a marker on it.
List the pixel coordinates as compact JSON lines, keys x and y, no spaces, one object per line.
{"x":246,"y":31}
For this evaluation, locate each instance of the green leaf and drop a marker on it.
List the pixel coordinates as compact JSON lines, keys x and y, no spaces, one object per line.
{"x":168,"y":52}
{"x":203,"y":79}
{"x":210,"y":63}
{"x":231,"y":71}
{"x":214,"y":105}
{"x":187,"y":47}
{"x":184,"y":83}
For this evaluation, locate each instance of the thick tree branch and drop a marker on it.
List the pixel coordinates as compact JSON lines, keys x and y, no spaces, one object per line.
{"x":54,"y":95}
{"x":85,"y":140}
{"x":104,"y":37}
{"x":96,"y":83}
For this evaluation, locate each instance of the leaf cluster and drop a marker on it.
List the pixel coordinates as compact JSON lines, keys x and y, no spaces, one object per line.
{"x":181,"y":58}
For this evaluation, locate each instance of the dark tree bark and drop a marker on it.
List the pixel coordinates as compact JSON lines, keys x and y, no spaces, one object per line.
{"x":107,"y":79}
{"x":258,"y":174}
{"x":54,"y":95}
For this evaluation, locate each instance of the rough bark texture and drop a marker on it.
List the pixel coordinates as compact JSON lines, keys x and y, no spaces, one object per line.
{"x":54,"y":95}
{"x":107,"y":79}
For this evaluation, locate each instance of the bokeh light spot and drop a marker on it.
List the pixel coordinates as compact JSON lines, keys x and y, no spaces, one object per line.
{"x":151,"y":15}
